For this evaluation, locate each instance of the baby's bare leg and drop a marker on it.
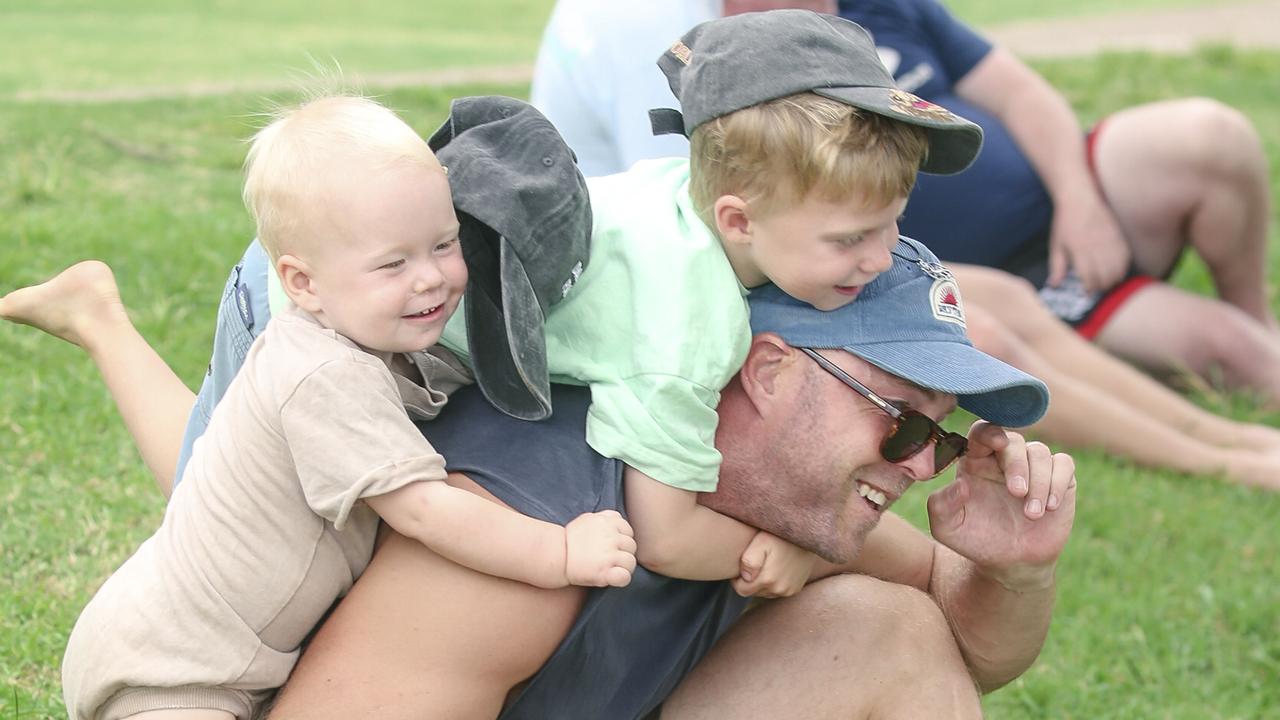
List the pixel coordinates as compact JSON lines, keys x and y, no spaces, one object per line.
{"x":82,"y":306}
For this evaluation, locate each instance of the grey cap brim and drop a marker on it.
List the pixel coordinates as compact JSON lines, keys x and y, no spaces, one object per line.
{"x":983,"y":385}
{"x":507,"y":342}
{"x":954,"y":143}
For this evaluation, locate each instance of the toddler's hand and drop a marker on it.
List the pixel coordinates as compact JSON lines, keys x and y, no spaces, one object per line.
{"x":599,"y":550}
{"x":772,"y":567}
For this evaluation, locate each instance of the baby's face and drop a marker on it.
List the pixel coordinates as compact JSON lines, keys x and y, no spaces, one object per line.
{"x":825,"y":252}
{"x":389,"y":272}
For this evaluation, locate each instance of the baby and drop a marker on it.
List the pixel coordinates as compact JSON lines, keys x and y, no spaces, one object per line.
{"x":315,"y":440}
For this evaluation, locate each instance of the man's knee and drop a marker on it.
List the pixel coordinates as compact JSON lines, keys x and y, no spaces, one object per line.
{"x":900,"y":622}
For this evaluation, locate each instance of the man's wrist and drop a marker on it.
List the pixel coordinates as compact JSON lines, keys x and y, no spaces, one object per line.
{"x":1021,"y":579}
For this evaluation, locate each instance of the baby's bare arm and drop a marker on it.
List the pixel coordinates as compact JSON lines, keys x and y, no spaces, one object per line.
{"x":595,"y":549}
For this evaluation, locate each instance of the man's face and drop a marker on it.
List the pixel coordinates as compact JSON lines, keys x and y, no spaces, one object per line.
{"x":826,"y":454}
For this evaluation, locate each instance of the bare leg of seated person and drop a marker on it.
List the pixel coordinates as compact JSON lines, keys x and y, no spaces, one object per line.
{"x":82,"y":306}
{"x":847,"y":647}
{"x":421,"y":637}
{"x":1084,"y":415}
{"x":1192,"y":173}
{"x":1168,"y":331}
{"x":1013,"y":303}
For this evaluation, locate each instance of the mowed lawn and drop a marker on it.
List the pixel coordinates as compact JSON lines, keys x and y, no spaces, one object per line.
{"x":1168,"y":592}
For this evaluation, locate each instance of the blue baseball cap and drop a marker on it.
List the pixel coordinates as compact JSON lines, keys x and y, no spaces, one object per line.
{"x":909,"y":322}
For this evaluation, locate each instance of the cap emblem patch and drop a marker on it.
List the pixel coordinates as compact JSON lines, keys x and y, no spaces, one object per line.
{"x":574,"y":274}
{"x":681,"y":52}
{"x":905,"y":103}
{"x":944,"y":301}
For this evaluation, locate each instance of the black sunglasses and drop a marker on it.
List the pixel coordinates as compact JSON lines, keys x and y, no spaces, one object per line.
{"x":912,"y":430}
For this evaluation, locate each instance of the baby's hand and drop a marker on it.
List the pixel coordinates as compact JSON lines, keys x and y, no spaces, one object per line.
{"x":599,"y":550}
{"x":772,"y":567}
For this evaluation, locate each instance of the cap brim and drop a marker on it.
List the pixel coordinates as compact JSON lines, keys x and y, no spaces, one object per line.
{"x":954,"y":142}
{"x":507,"y":342}
{"x":991,"y":389}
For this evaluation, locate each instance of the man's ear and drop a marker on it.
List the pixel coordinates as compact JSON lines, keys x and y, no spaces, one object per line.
{"x":764,"y":374}
{"x":733,"y":219}
{"x":295,"y":277}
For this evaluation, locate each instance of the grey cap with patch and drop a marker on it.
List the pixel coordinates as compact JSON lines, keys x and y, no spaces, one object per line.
{"x":728,"y":64}
{"x":526,"y":237}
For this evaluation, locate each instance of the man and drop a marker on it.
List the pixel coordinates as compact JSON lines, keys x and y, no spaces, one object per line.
{"x":907,"y":638}
{"x":1096,"y":229}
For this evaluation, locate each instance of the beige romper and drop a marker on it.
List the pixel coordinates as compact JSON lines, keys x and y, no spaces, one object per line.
{"x":263,"y":534}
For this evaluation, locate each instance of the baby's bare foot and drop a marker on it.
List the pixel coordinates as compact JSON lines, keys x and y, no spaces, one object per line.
{"x":78,"y":305}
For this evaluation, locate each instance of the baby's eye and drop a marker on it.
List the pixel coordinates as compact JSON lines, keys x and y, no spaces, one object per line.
{"x":850,"y":240}
{"x":446,"y":245}
{"x":392,"y":265}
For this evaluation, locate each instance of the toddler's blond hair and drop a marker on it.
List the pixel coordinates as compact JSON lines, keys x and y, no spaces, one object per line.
{"x":303,"y":148}
{"x":775,"y":154}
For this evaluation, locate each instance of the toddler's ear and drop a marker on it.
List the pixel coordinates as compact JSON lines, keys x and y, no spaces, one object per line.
{"x":733,"y":223}
{"x":295,"y":277}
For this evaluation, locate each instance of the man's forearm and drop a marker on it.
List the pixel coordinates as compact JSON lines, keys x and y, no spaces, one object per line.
{"x":1000,"y":623}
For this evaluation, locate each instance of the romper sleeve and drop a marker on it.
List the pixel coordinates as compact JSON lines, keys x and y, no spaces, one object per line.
{"x":350,"y":437}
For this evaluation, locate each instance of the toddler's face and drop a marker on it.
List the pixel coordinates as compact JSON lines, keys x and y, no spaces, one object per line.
{"x":825,"y":252}
{"x":389,"y":272}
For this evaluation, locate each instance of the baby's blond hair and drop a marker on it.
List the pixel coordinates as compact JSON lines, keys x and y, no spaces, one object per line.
{"x":303,"y":148}
{"x":775,"y":154}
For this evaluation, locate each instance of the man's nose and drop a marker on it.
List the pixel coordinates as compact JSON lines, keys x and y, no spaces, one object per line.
{"x":920,"y":465}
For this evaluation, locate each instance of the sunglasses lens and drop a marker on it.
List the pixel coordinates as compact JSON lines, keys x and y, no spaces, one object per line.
{"x":949,"y":448}
{"x":913,"y":433}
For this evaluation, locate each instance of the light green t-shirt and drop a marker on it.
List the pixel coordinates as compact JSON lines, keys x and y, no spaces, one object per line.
{"x":656,"y":325}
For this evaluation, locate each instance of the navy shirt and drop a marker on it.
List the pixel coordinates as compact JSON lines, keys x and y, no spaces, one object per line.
{"x":998,"y":206}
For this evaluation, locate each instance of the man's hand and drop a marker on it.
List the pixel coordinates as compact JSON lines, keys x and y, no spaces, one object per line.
{"x":1086,"y":237}
{"x":599,"y":550}
{"x":1010,"y":508}
{"x":772,"y":568}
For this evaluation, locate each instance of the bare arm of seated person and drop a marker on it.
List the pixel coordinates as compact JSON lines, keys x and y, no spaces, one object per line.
{"x":677,"y":537}
{"x":594,"y":549}
{"x":1085,"y":234}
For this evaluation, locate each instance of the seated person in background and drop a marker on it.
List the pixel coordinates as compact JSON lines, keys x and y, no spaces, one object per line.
{"x":595,"y":90}
{"x":312,"y":444}
{"x":1096,"y":222}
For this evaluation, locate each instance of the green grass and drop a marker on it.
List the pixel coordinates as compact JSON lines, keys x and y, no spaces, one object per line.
{"x":1169,"y":588}
{"x":86,"y":45}
{"x":992,"y":12}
